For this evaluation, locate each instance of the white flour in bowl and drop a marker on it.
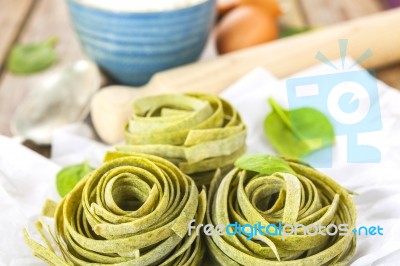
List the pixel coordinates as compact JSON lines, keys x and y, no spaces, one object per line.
{"x":140,"y":5}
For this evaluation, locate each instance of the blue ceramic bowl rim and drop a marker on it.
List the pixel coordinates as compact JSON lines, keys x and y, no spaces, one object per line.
{"x":78,"y":2}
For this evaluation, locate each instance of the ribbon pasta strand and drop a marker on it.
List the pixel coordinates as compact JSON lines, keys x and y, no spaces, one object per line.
{"x":133,"y":210}
{"x":198,"y":132}
{"x":307,"y":197}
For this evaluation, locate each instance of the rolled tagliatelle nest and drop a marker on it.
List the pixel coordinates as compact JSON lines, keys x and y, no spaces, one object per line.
{"x":198,"y":132}
{"x":304,"y":196}
{"x":133,"y":210}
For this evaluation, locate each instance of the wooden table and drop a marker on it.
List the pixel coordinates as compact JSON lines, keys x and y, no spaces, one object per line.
{"x":25,"y":21}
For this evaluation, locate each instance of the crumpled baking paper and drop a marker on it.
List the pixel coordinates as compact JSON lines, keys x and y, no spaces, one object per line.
{"x":27,"y":179}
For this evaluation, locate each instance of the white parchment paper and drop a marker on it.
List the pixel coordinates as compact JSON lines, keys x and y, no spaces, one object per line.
{"x":27,"y":179}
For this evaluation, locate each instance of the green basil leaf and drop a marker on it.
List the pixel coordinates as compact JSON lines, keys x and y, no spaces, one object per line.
{"x":298,"y":132}
{"x":290,"y":31}
{"x":133,"y":210}
{"x":263,"y":164}
{"x":307,"y":198}
{"x":31,"y":58}
{"x":69,"y":176}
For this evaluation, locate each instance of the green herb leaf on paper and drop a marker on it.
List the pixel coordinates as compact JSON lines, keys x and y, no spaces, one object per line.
{"x":69,"y":176}
{"x":31,"y":58}
{"x":298,"y":132}
{"x":263,"y":164}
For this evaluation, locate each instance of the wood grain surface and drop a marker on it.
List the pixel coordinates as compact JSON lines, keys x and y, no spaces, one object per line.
{"x":25,"y":21}
{"x":13,"y":15}
{"x":46,"y":18}
{"x":326,"y":12}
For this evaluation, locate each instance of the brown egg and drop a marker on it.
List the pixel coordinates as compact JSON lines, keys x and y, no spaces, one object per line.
{"x":223,"y":6}
{"x":272,"y":7}
{"x":243,"y":27}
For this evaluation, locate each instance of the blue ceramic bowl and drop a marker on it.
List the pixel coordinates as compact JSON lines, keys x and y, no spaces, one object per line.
{"x":131,"y":47}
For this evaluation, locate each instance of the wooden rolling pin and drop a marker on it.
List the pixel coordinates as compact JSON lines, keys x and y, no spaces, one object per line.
{"x":379,"y":32}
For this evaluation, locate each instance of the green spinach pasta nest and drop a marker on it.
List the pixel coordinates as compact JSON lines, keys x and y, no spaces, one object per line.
{"x":198,"y":132}
{"x":133,"y":210}
{"x":274,"y":192}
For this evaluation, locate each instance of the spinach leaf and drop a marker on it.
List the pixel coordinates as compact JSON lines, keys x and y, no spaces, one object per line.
{"x":290,"y":31}
{"x":69,"y":176}
{"x":263,"y":164}
{"x":31,"y":58}
{"x":297,"y":132}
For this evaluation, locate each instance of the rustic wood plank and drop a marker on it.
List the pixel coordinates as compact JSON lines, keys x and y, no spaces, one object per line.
{"x":13,"y":15}
{"x":359,"y":8}
{"x":293,"y":14}
{"x":48,"y":18}
{"x":326,"y":12}
{"x":322,"y":12}
{"x":390,"y":75}
{"x":43,"y":150}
